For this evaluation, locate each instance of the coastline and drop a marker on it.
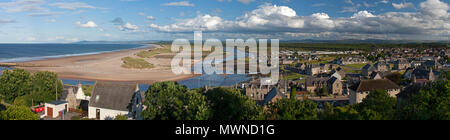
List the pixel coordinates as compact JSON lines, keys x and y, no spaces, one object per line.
{"x":106,"y":67}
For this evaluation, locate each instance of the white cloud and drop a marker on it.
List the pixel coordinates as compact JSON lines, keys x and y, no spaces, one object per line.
{"x":23,"y":6}
{"x":403,"y":5}
{"x":6,"y":21}
{"x":128,"y":26}
{"x":72,"y":5}
{"x":150,"y":18}
{"x":384,"y":1}
{"x":245,"y":1}
{"x":201,"y":22}
{"x":181,"y":3}
{"x":434,"y":8}
{"x":362,"y":14}
{"x":89,"y":24}
{"x":431,"y":20}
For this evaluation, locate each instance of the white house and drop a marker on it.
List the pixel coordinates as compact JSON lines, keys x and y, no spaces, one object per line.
{"x":110,"y":99}
{"x":80,"y":93}
{"x":53,"y":109}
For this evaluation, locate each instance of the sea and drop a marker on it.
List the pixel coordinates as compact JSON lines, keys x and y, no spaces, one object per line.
{"x":28,"y":52}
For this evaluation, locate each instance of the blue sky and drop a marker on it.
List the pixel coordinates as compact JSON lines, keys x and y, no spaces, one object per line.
{"x":23,"y":21}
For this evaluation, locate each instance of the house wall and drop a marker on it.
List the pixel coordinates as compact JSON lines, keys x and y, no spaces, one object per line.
{"x":56,"y":109}
{"x":105,"y":113}
{"x":336,"y":88}
{"x":366,"y":72}
{"x":311,"y":89}
{"x":357,"y":97}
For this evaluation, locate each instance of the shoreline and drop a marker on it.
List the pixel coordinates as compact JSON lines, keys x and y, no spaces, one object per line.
{"x":107,"y":67}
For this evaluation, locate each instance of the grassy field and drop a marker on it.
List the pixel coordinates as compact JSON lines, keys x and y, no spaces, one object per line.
{"x":136,"y":63}
{"x":356,"y":66}
{"x":348,"y":70}
{"x":152,"y":53}
{"x":292,"y":76}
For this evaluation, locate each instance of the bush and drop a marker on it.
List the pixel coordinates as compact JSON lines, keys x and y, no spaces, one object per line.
{"x":136,"y":63}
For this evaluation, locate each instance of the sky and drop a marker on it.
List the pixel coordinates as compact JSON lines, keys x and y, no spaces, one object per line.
{"x":63,"y":21}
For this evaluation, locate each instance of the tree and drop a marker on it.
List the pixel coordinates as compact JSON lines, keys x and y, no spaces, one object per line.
{"x":171,"y":101}
{"x":378,"y":102}
{"x":17,"y":112}
{"x":14,"y":83}
{"x":286,"y":109}
{"x":347,"y":112}
{"x":323,"y":91}
{"x":231,"y":104}
{"x":369,"y":114}
{"x":45,"y":86}
{"x":293,"y":92}
{"x":430,"y":103}
{"x":395,"y":77}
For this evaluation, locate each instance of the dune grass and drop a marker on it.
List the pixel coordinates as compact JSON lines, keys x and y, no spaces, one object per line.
{"x":136,"y":63}
{"x":152,"y":53}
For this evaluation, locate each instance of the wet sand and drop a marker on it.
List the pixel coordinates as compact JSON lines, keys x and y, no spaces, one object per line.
{"x":107,"y":67}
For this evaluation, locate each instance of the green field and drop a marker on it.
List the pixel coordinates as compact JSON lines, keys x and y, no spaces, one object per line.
{"x":356,"y":66}
{"x":136,"y":63}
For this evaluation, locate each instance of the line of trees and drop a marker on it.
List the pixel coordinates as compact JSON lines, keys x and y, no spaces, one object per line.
{"x":22,"y":89}
{"x":19,"y":85}
{"x":170,"y":101}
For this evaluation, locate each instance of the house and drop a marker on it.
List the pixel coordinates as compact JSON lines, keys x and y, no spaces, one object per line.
{"x":313,"y":69}
{"x":350,"y":60}
{"x":401,"y":64}
{"x":422,"y":76}
{"x":69,"y":96}
{"x":380,"y":66}
{"x":80,"y":95}
{"x":55,"y":108}
{"x":353,"y":78}
{"x":432,"y":64}
{"x":110,"y":99}
{"x":338,"y":73}
{"x":375,"y":76}
{"x":273,"y":96}
{"x":367,"y":70}
{"x":359,"y":91}
{"x":314,"y":84}
{"x":335,"y":86}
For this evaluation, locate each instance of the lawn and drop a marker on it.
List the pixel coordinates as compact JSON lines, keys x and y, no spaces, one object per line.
{"x":356,"y":66}
{"x":348,"y":70}
{"x":136,"y":63}
{"x":289,"y":75}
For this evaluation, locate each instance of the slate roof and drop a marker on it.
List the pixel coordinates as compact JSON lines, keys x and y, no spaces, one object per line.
{"x":332,"y":80}
{"x":113,"y":95}
{"x":310,"y":81}
{"x":66,"y":91}
{"x":274,"y":92}
{"x":59,"y":102}
{"x":370,"y":85}
{"x":368,"y":67}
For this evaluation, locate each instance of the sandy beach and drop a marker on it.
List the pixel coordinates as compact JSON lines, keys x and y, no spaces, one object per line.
{"x":107,"y":67}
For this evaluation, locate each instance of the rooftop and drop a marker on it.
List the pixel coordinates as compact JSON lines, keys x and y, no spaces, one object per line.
{"x":370,"y":85}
